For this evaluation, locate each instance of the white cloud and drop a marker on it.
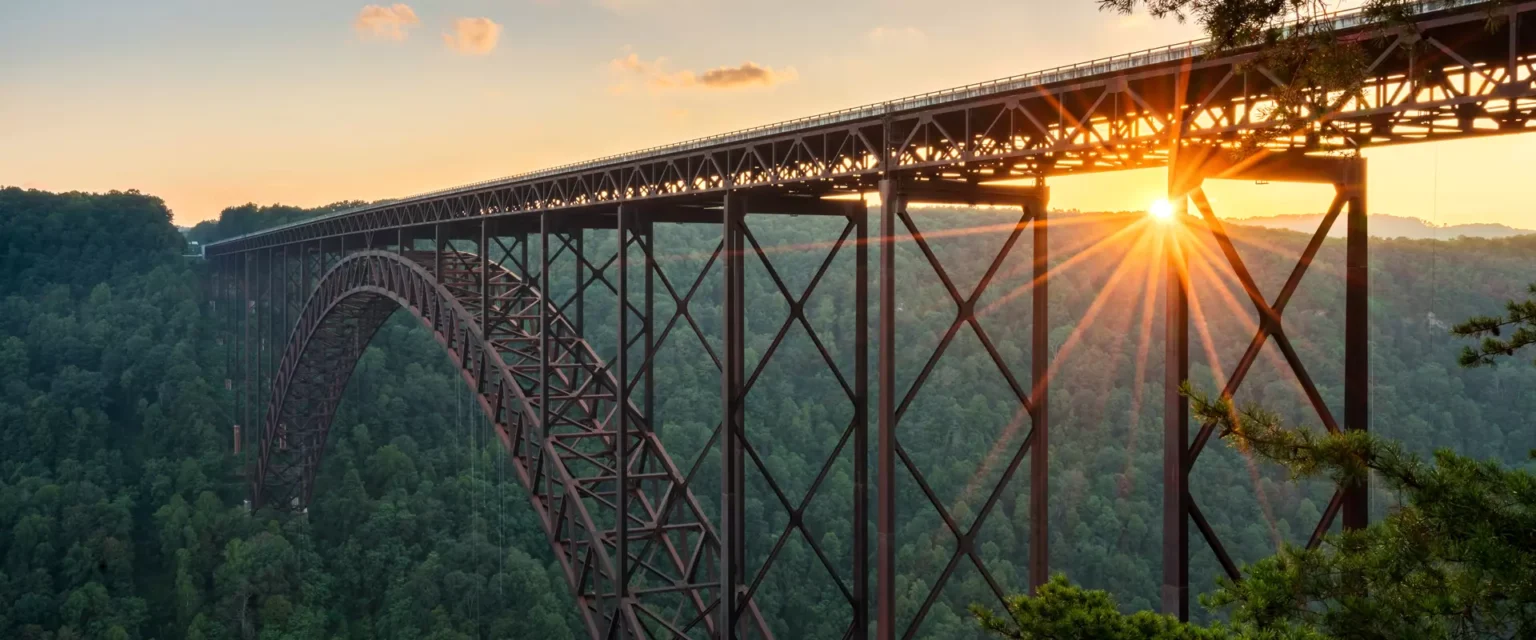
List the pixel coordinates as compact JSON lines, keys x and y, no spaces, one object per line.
{"x":473,"y":36}
{"x":654,"y":75}
{"x":385,"y":23}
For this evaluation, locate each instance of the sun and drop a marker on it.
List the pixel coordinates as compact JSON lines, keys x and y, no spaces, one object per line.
{"x":1161,"y":210}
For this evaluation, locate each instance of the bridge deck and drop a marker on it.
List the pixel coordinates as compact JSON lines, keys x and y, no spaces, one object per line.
{"x":1456,"y":78}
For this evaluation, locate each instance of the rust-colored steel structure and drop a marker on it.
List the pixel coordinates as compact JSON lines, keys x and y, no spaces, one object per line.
{"x":640,"y":552}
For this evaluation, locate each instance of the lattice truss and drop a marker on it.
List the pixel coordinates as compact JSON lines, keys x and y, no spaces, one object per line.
{"x":1191,"y":169}
{"x":1271,"y":328}
{"x":1026,"y":395}
{"x":1448,"y":76}
{"x":747,"y":573}
{"x":561,"y":434}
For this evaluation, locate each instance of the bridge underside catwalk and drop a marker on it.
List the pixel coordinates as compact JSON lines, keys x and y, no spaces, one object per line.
{"x":551,"y":298}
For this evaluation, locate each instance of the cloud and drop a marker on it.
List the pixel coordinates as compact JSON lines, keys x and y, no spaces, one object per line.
{"x":385,"y":23}
{"x":655,"y":76}
{"x":743,"y":75}
{"x":473,"y":36}
{"x":896,"y":35}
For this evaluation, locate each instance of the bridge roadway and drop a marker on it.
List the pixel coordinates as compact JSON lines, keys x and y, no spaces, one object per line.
{"x":1463,"y":79}
{"x":641,"y":554}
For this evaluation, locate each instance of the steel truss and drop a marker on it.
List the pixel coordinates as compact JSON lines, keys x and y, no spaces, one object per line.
{"x":1032,"y":398}
{"x":738,"y":246}
{"x":1448,"y":76}
{"x":1191,"y":167}
{"x":640,"y":552}
{"x":637,"y":548}
{"x":559,"y":433}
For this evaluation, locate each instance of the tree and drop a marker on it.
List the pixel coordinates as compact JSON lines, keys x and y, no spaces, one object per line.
{"x":1063,"y":611}
{"x":1454,"y":561}
{"x":1521,"y":318}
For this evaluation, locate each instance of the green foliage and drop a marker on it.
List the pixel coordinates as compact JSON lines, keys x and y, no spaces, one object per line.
{"x":121,"y":506}
{"x":250,"y":217}
{"x":1453,"y":561}
{"x":1061,"y":610}
{"x":1521,"y":317}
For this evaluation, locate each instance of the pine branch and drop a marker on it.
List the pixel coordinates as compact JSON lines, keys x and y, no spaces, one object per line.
{"x":1521,"y":315}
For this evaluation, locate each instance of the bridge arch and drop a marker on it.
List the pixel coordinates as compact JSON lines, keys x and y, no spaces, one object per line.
{"x":488,"y":320}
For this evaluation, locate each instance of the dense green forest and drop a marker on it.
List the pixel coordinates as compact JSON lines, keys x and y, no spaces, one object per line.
{"x":122,"y":504}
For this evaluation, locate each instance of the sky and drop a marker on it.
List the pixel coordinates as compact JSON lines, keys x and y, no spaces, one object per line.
{"x":215,"y":103}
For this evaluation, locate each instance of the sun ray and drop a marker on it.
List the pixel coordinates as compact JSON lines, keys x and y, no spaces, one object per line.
{"x":1198,"y":320}
{"x":1143,"y":353}
{"x":1088,"y":318}
{"x":1245,"y":313}
{"x":1056,"y":270}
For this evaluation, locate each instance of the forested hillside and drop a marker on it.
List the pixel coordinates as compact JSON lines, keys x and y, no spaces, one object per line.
{"x":122,"y":505}
{"x":122,"y":508}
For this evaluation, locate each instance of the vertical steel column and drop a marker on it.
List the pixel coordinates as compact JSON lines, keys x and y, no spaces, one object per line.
{"x":303,"y":274}
{"x":231,"y":288}
{"x":485,"y":282}
{"x":288,"y":294}
{"x":1039,"y":453}
{"x":892,"y":202}
{"x":1175,"y":591}
{"x":263,"y":320}
{"x":649,"y":229}
{"x":522,"y":241}
{"x":1357,"y":364}
{"x":621,"y":461}
{"x":861,"y":422}
{"x":732,"y":469}
{"x":271,"y":335}
{"x":245,"y":344}
{"x":580,"y":321}
{"x":545,"y":351}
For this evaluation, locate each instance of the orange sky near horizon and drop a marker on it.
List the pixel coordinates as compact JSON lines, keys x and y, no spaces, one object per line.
{"x":308,"y":103}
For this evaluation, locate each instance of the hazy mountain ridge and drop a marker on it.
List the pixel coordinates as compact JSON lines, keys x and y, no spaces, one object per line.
{"x":1389,"y":226}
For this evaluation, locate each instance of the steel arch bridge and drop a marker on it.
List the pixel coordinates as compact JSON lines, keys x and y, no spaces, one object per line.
{"x":640,"y":553}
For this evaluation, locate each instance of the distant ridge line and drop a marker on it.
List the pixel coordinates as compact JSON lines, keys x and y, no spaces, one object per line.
{"x":1389,"y":226}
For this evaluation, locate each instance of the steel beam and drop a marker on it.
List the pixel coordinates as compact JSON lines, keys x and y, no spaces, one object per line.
{"x":732,"y":460}
{"x":892,"y":204}
{"x":861,"y":609}
{"x":1175,"y":590}
{"x":621,"y":625}
{"x":1357,"y":362}
{"x":245,"y":341}
{"x":1040,"y":365}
